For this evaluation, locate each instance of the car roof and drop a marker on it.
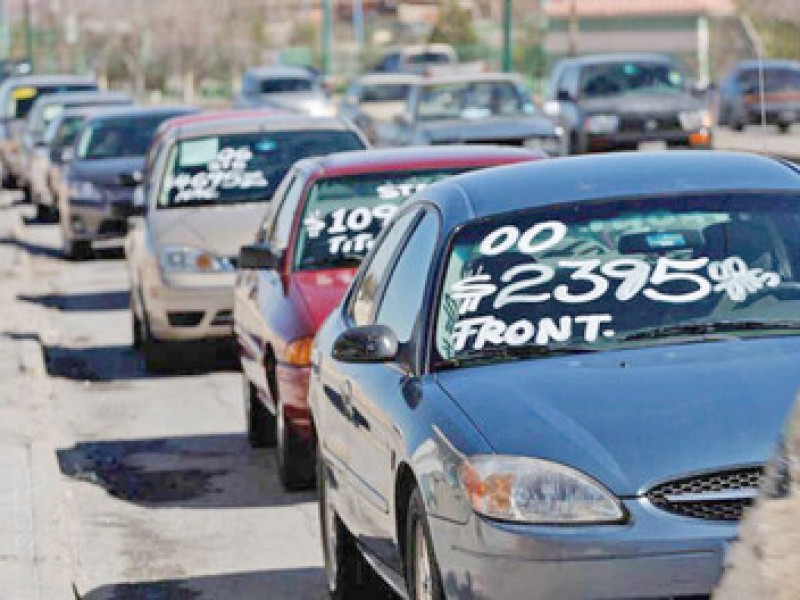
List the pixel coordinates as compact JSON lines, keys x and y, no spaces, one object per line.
{"x":90,"y":96}
{"x":216,"y":116}
{"x":468,"y":77}
{"x":401,"y":159}
{"x":276,"y":72}
{"x":596,"y":59}
{"x":265,"y":121}
{"x":41,"y":80}
{"x":123,"y":112}
{"x":388,"y":78}
{"x":609,"y":176}
{"x":769,"y":63}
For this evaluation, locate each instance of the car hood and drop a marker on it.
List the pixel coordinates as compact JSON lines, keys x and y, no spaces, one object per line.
{"x":302,"y":102}
{"x":642,"y":103}
{"x":105,"y":171}
{"x":637,"y":417}
{"x":490,"y":129}
{"x":318,"y":292}
{"x":222,"y":230}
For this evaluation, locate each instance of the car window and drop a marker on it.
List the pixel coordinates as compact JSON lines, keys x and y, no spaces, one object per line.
{"x":282,"y":226}
{"x":369,"y":285}
{"x":471,"y":100}
{"x":118,"y":137}
{"x":569,"y":80}
{"x":403,"y":295}
{"x":286,"y":84}
{"x":632,"y":77}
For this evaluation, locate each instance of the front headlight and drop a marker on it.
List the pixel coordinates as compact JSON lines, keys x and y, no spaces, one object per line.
{"x":530,"y":490}
{"x":85,"y":190}
{"x":178,"y":259}
{"x":692,"y":120}
{"x":551,"y":145}
{"x":601,"y":123}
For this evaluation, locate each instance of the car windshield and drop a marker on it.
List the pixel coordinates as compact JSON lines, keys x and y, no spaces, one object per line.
{"x":471,"y":100}
{"x":63,"y":132}
{"x":287,"y":84}
{"x":119,"y":137}
{"x":343,"y":215}
{"x":22,"y":99}
{"x":602,"y":276}
{"x":775,"y":80}
{"x":242,"y":167}
{"x":611,"y":79}
{"x":429,"y":58}
{"x":390,"y":92}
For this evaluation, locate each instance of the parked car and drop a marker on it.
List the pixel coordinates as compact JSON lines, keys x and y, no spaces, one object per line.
{"x":17,"y":95}
{"x":292,"y":89}
{"x":561,"y":378}
{"x":96,"y":196}
{"x":35,"y":146}
{"x":373,"y":101}
{"x":490,"y":108}
{"x":305,"y":254}
{"x":740,"y":94}
{"x":416,"y":59}
{"x":211,"y":180}
{"x":624,"y":101}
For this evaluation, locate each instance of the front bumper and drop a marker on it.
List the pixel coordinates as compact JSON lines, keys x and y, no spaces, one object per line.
{"x":98,"y":221}
{"x":655,"y":555}
{"x":189,"y":313}
{"x":596,"y":142}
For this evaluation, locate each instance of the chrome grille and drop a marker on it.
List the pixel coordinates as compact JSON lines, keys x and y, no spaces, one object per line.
{"x":720,"y":496}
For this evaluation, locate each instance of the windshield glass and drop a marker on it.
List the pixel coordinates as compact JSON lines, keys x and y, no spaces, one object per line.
{"x":119,"y":137}
{"x":630,"y":77}
{"x":390,"y":92}
{"x":775,"y":80}
{"x":287,"y":84}
{"x":344,"y":215}
{"x":242,"y":167}
{"x":471,"y":100}
{"x":62,"y":132}
{"x":22,"y":99}
{"x":605,"y":275}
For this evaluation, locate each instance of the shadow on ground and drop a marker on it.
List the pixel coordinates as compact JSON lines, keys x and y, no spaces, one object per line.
{"x":90,"y":301}
{"x":196,"y":471}
{"x":35,"y":249}
{"x":283,"y":584}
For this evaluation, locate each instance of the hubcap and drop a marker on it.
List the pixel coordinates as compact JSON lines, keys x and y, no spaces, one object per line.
{"x":329,"y":533}
{"x":422,"y":573}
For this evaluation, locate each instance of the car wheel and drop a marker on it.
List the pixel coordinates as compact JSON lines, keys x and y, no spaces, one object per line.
{"x":136,"y":329}
{"x":422,"y":571}
{"x":345,"y":567}
{"x":45,"y":214}
{"x":260,"y":422}
{"x":154,"y":352}
{"x":784,"y":127}
{"x":295,"y":463}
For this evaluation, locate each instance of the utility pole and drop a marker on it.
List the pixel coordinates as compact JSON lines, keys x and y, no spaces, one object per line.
{"x":574,"y":26}
{"x":508,"y":10}
{"x":5,"y":30}
{"x":28,"y":32}
{"x":326,"y":36}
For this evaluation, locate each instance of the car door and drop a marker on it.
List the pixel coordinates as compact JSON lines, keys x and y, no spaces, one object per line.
{"x":381,"y":394}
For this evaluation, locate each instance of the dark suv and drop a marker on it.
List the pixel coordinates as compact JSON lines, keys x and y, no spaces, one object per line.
{"x":619,"y":102}
{"x":740,"y":95}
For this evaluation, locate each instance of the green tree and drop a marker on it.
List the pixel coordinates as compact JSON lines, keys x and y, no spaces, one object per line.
{"x":454,"y":26}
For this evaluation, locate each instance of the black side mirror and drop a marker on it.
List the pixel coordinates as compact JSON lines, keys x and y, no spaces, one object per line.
{"x":259,"y":256}
{"x":131,"y":179}
{"x":367,"y":344}
{"x":564,"y":96}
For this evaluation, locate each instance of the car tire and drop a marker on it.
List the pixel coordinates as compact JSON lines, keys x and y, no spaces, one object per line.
{"x":347,"y":572}
{"x":293,"y":453}
{"x":261,"y":431}
{"x":76,"y":250}
{"x":784,"y":127}
{"x":136,"y":329}
{"x":45,"y":214}
{"x":155,"y":353}
{"x":423,"y":578}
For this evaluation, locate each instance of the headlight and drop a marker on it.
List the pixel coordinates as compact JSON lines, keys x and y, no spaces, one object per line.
{"x":530,"y":490}
{"x":601,"y":123}
{"x":177,"y":259}
{"x":85,"y":190}
{"x":692,"y":120}
{"x":551,"y":145}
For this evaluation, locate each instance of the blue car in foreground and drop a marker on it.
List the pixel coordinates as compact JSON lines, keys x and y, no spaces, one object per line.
{"x":561,"y":379}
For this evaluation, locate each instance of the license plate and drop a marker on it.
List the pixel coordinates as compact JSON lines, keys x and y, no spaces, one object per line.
{"x":653,"y":146}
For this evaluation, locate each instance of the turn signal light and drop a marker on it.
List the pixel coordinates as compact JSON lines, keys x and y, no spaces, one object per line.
{"x":700,"y":138}
{"x":298,"y":352}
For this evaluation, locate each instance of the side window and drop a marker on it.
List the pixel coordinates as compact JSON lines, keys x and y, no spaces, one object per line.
{"x":284,"y":217}
{"x":405,"y":290}
{"x":366,"y":294}
{"x":569,"y":80}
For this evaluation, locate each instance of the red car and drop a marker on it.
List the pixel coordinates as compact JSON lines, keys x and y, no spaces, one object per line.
{"x":322,"y":221}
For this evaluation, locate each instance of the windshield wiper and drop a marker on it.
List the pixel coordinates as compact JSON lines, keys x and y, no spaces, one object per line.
{"x":503,"y":353}
{"x":708,"y":328}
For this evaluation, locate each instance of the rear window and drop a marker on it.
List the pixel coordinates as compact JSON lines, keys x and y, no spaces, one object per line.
{"x":242,"y":167}
{"x":21,"y":99}
{"x":385,"y":93}
{"x":119,"y":137}
{"x":286,"y":84}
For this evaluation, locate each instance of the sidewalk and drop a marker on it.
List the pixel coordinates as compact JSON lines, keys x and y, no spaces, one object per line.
{"x":35,"y":559}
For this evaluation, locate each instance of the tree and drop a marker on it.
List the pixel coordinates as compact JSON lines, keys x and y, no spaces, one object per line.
{"x":454,"y":26}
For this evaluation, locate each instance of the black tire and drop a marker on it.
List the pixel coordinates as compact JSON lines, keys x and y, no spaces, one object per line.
{"x":155,"y":353}
{"x":45,"y":214}
{"x":737,"y":125}
{"x":27,"y":195}
{"x":347,"y":572}
{"x":136,"y":329}
{"x":784,"y":127}
{"x":418,"y":534}
{"x":293,"y":454}
{"x":77,"y":250}
{"x":261,"y":431}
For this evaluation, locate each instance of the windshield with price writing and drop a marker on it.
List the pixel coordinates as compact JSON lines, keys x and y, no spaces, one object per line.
{"x":591,"y":275}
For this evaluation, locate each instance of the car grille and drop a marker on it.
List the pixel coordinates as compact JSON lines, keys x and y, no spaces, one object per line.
{"x":720,"y":496}
{"x":648,"y":123}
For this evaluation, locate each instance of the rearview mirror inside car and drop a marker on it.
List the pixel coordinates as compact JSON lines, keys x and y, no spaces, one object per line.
{"x":367,"y":344}
{"x":259,"y":256}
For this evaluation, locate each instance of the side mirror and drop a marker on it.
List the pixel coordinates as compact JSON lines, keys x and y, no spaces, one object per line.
{"x":367,"y":344}
{"x":131,"y":179}
{"x":564,"y":96}
{"x":259,"y":256}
